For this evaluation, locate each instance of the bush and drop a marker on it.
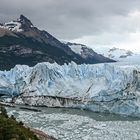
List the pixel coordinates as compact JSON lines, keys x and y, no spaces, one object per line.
{"x":10,"y":129}
{"x":3,"y":111}
{"x":21,"y":123}
{"x":12,"y":117}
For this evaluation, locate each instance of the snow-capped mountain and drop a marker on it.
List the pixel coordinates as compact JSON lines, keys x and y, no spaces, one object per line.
{"x":87,"y":53}
{"x":23,"y":43}
{"x":100,"y":87}
{"x":116,"y":53}
{"x":19,"y":25}
{"x":119,"y":55}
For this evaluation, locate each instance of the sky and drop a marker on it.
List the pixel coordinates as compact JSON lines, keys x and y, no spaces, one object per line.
{"x":96,"y":23}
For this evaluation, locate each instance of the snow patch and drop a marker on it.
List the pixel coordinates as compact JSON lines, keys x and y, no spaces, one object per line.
{"x":76,"y":48}
{"x":12,"y":26}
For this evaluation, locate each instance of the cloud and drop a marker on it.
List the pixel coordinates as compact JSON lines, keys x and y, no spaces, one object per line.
{"x":128,"y":41}
{"x":77,"y":19}
{"x":124,"y":34}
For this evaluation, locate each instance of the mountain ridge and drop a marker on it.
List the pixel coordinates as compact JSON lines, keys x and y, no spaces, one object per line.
{"x":119,"y":55}
{"x":23,"y":43}
{"x":85,"y":52}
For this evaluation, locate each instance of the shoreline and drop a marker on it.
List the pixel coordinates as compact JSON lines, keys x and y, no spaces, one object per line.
{"x":41,"y":135}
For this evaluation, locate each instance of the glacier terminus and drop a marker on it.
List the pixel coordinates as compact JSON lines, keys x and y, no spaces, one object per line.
{"x":108,"y":88}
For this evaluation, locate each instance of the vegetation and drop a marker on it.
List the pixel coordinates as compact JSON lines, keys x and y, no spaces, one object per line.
{"x":10,"y":129}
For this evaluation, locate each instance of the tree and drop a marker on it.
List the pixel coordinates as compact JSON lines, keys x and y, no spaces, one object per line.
{"x":21,"y":123}
{"x":12,"y":117}
{"x":3,"y":111}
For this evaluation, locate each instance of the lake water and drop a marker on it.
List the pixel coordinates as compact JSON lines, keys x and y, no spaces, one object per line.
{"x":73,"y":124}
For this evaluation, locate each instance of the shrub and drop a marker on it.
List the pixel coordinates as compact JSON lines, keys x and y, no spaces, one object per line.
{"x":10,"y":129}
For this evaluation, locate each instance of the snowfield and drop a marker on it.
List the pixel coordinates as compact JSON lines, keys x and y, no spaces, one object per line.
{"x":101,"y":88}
{"x":13,"y":26}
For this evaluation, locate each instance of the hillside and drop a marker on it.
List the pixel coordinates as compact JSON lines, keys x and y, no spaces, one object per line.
{"x":10,"y":129}
{"x":88,"y":54}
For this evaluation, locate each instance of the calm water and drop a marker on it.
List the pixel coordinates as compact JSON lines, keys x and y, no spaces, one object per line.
{"x":73,"y":124}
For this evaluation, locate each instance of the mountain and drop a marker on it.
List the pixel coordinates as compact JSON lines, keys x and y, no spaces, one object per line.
{"x":23,"y":43}
{"x":98,"y":87}
{"x":87,"y":53}
{"x":117,"y":53}
{"x":120,"y":55}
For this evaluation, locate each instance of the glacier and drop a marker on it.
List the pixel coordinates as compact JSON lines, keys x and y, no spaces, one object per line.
{"x":103,"y":87}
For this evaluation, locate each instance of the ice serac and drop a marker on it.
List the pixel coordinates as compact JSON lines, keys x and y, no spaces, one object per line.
{"x":100,"y":88}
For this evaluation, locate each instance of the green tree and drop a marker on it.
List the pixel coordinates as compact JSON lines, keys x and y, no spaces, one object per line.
{"x":3,"y":111}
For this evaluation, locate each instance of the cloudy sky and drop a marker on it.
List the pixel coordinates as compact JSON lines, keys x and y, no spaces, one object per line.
{"x":96,"y":23}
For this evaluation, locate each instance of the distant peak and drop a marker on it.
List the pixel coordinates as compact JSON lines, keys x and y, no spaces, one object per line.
{"x":19,"y":25}
{"x":26,"y":23}
{"x":23,"y":18}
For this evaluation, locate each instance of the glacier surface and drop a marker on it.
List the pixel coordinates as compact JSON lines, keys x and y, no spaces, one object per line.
{"x":100,"y":88}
